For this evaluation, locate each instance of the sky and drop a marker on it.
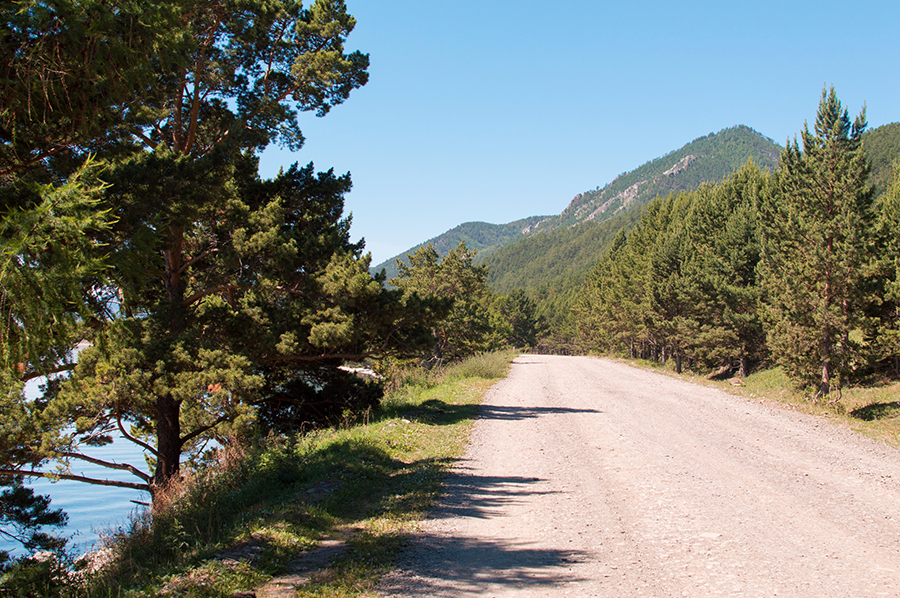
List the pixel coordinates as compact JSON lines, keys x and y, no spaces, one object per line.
{"x":496,"y":110}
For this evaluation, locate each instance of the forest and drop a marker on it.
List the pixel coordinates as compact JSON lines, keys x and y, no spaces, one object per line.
{"x":797,"y":268}
{"x":171,"y":296}
{"x":167,"y":294}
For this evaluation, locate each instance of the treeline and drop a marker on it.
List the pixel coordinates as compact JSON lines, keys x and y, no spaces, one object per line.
{"x":468,"y":316}
{"x":798,"y":267}
{"x":481,"y":236}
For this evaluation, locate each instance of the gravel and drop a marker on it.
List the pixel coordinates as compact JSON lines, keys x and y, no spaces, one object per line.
{"x":587,"y":477}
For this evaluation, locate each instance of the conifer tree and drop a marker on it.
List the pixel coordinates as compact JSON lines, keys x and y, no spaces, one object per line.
{"x":888,"y":334}
{"x":817,"y":252}
{"x":595,"y":311}
{"x":521,"y":325}
{"x":723,"y":232}
{"x":72,"y":72}
{"x":455,"y":281}
{"x":229,"y":291}
{"x":671,"y":309}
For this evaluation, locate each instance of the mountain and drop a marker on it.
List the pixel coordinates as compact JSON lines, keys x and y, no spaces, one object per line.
{"x":552,"y":266}
{"x":484,"y":237}
{"x":706,"y":159}
{"x":549,"y":256}
{"x":882,"y":148}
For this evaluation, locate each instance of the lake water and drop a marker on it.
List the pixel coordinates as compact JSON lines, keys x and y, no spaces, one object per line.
{"x":93,"y":510}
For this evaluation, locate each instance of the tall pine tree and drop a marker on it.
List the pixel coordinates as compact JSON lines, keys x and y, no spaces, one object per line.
{"x":817,"y":251}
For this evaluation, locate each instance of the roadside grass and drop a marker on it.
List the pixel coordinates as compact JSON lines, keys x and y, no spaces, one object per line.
{"x":263,"y":510}
{"x":872,"y":409}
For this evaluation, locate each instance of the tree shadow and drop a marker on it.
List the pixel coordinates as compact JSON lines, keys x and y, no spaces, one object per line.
{"x":876,"y":411}
{"x":440,"y":565}
{"x":502,"y":412}
{"x":454,"y":566}
{"x":468,"y":495}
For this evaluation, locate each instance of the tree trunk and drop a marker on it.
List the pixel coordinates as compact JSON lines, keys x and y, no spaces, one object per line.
{"x":168,"y":410}
{"x":745,"y":365}
{"x":827,"y":366}
{"x":677,"y":362}
{"x":168,"y":440}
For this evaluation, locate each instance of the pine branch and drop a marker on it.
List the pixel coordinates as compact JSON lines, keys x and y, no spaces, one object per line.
{"x":74,"y":478}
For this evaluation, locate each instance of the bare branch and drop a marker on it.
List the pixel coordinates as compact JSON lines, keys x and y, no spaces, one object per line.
{"x":75,"y":478}
{"x":193,"y":261}
{"x":202,"y":429}
{"x":210,"y":291}
{"x":109,"y":464}
{"x":131,"y":438}
{"x":68,"y":367}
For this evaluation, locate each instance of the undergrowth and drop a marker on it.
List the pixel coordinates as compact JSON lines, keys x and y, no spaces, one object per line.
{"x":872,"y":408}
{"x":248,"y":516}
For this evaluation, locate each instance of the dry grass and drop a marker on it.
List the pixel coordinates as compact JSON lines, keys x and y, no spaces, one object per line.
{"x":250,"y":516}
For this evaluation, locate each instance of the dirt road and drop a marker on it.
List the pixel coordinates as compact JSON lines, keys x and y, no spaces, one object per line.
{"x":587,"y":477}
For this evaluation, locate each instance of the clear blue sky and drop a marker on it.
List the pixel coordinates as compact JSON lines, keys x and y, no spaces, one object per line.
{"x":495,"y":110}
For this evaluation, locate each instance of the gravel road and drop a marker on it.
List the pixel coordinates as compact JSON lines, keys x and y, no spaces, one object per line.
{"x":587,"y":477}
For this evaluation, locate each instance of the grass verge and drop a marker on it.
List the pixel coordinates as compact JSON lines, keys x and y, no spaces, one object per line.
{"x":872,"y":410}
{"x":261,"y":514}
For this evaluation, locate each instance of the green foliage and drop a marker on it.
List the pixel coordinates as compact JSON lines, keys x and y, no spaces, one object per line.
{"x":49,"y":257}
{"x":519,"y":324}
{"x":722,"y":287}
{"x":757,"y":268}
{"x":481,"y":236}
{"x":888,"y":230}
{"x":882,"y":146}
{"x":23,"y":514}
{"x":228,"y":291}
{"x":818,"y":250}
{"x":549,"y":257}
{"x":454,"y":279}
{"x":682,"y":283}
{"x":705,"y":160}
{"x":73,"y":72}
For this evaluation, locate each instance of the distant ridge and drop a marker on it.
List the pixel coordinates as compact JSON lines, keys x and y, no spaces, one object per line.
{"x":484,"y":237}
{"x":706,"y":159}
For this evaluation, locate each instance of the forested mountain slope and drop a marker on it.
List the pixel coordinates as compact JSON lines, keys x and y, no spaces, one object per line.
{"x":706,"y":159}
{"x":882,"y":148}
{"x":484,"y":237}
{"x":549,"y":256}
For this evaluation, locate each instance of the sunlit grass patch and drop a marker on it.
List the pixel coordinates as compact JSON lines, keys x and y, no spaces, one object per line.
{"x":364,"y":485}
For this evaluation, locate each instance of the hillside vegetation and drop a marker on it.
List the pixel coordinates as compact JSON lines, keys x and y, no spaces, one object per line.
{"x":704,"y":160}
{"x":707,"y":159}
{"x":483,"y":237}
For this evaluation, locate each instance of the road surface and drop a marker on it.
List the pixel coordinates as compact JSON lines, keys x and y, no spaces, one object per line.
{"x":587,"y":477}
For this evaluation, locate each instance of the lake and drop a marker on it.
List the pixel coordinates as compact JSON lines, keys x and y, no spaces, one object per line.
{"x":93,"y":510}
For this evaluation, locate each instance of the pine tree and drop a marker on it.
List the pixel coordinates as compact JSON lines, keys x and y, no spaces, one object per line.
{"x":518,"y":318}
{"x":817,"y":258}
{"x":456,"y":281}
{"x":723,"y":231}
{"x":229,"y":292}
{"x":888,"y":333}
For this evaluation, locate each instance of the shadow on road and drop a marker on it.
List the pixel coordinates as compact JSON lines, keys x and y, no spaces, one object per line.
{"x":453,"y":566}
{"x":448,"y":565}
{"x":468,"y":495}
{"x":517,"y":413}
